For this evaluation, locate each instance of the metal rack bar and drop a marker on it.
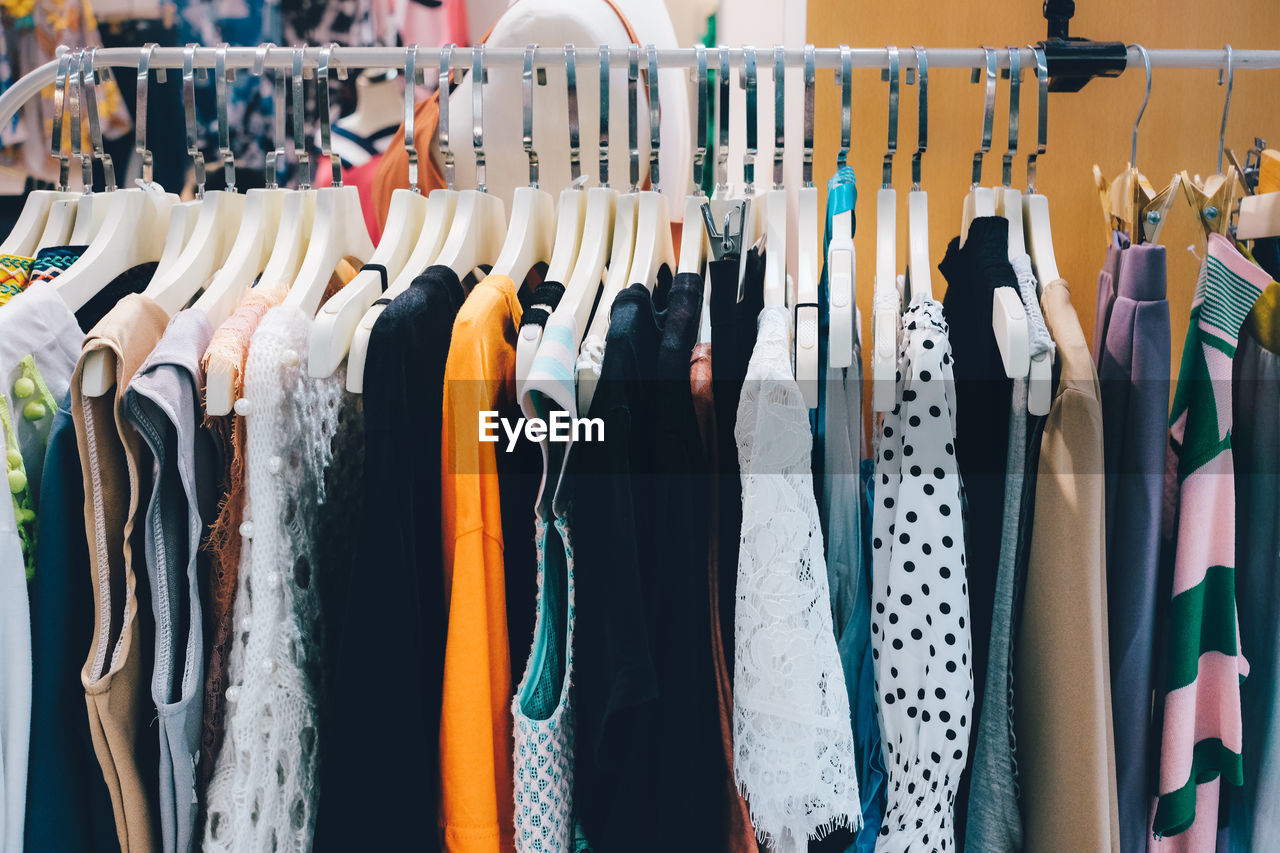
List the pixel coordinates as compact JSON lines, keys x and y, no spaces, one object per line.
{"x":30,"y":84}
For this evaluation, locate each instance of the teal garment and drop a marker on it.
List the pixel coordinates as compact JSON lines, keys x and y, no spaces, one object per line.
{"x":872,"y":777}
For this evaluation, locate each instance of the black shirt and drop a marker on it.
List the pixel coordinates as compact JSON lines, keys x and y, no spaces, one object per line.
{"x":132,"y":280}
{"x":380,"y":752}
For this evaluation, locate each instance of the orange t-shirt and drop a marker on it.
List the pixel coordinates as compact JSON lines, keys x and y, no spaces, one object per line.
{"x":476,"y":744}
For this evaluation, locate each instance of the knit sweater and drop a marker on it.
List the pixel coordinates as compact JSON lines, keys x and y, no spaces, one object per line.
{"x":1201,"y":744}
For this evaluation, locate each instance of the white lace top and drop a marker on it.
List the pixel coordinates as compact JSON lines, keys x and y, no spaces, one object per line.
{"x":792,"y":736}
{"x":263,"y":793}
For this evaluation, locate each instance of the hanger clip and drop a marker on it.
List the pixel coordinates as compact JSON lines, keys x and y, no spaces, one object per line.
{"x":727,"y":244}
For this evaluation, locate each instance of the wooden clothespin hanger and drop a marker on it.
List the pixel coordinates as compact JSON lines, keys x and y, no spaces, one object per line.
{"x":1214,"y":198}
{"x":808,"y":254}
{"x":981,"y":201}
{"x":886,"y":305}
{"x":59,"y":220}
{"x":841,"y":260}
{"x":1258,"y":213}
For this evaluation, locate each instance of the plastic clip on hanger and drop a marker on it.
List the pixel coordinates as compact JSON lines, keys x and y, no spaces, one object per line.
{"x":91,"y":207}
{"x":1008,"y":315}
{"x":339,"y":230}
{"x":582,"y":288}
{"x":1010,"y":200}
{"x":441,"y":205}
{"x":981,"y":201}
{"x":1215,"y":197}
{"x":841,"y":257}
{"x":60,"y":218}
{"x":775,"y":200}
{"x":654,"y":250}
{"x":808,"y":254}
{"x":693,"y":238}
{"x":335,"y":324}
{"x":1039,"y":236}
{"x":480,"y":219}
{"x":259,"y":221}
{"x":220,"y":211}
{"x":921,"y":278}
{"x":571,"y":209}
{"x":886,"y":304}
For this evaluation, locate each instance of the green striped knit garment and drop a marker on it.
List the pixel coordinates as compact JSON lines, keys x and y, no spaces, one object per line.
{"x":1201,"y":739}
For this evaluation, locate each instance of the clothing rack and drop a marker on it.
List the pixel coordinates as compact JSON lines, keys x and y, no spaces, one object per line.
{"x":238,"y":58}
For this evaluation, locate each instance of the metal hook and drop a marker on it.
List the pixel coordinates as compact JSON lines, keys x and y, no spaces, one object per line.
{"x":571,"y":87}
{"x":922,"y":105}
{"x":224,"y":130}
{"x":526,"y":85}
{"x":1226,"y":106}
{"x":189,"y":104}
{"x":279,"y":96}
{"x":140,"y":110}
{"x":442,"y":88}
{"x":748,"y":82}
{"x":61,"y":83}
{"x":655,"y":119}
{"x":1042,"y":115}
{"x":77,"y":129}
{"x":602,"y":156}
{"x":844,"y":79}
{"x":322,"y":107}
{"x":722,"y":133}
{"x":89,"y":79}
{"x":779,"y":112}
{"x":410,"y":144}
{"x":1015,"y":107}
{"x":477,"y":114}
{"x":700,"y":116}
{"x":988,"y":111}
{"x":1146,"y":63}
{"x":299,"y":121}
{"x":891,"y":74}
{"x":810,"y":64}
{"x":633,"y":114}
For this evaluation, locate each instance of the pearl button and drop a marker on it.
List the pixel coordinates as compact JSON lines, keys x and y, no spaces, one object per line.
{"x":17,"y":481}
{"x":233,"y":693}
{"x":268,"y":666}
{"x":34,"y":410}
{"x":243,"y":407}
{"x":246,"y":530}
{"x":274,"y":464}
{"x":24,"y":387}
{"x":289,"y":358}
{"x":13,"y":457}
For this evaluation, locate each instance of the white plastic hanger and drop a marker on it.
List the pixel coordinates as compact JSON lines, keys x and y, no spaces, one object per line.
{"x":583,"y":286}
{"x":131,"y":236}
{"x":653,"y":249}
{"x":91,"y":207}
{"x":58,"y":220}
{"x":921,"y":278}
{"x":720,"y":208}
{"x":571,"y":208}
{"x":693,"y":237}
{"x":841,"y":257}
{"x":1009,"y":198}
{"x":479,"y":222}
{"x":775,"y":200}
{"x":808,"y":254}
{"x":335,"y":325}
{"x":259,"y":223}
{"x":441,"y":206}
{"x":338,"y":231}
{"x":981,"y":201}
{"x":886,"y":303}
{"x":1035,"y":207}
{"x":219,"y":216}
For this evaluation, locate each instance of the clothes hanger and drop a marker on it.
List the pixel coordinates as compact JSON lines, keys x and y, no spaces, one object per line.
{"x":775,"y":200}
{"x":654,"y":250}
{"x":441,"y":205}
{"x":183,"y":216}
{"x":1035,"y":207}
{"x":921,"y":270}
{"x":479,"y":222}
{"x":60,"y":219}
{"x":219,"y":219}
{"x":842,"y":260}
{"x":1214,"y":197}
{"x":338,"y":231}
{"x":132,"y":232}
{"x":886,"y":300}
{"x":693,"y":238}
{"x":26,"y":233}
{"x":755,"y":223}
{"x":259,"y":222}
{"x":571,"y":209}
{"x":1009,"y":198}
{"x":1258,"y":213}
{"x":808,"y":254}
{"x":91,"y":207}
{"x":721,"y":207}
{"x":335,"y":324}
{"x":981,"y":201}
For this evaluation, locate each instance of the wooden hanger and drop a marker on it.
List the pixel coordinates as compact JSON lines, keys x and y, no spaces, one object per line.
{"x":335,"y":324}
{"x":653,"y":250}
{"x":886,"y":298}
{"x":981,"y":201}
{"x":808,"y":254}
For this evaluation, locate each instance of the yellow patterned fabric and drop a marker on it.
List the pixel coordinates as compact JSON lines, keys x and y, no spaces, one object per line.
{"x":15,"y":275}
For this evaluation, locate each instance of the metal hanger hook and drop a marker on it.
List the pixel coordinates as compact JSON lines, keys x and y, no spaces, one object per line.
{"x":810,"y":65}
{"x":322,"y":107}
{"x":88,"y":79}
{"x":1226,"y":106}
{"x":844,"y":79}
{"x":61,"y":84}
{"x":701,"y":87}
{"x":442,"y":87}
{"x":410,"y":144}
{"x":140,"y":110}
{"x":221,"y":77}
{"x":602,"y":156}
{"x":655,"y":118}
{"x":779,"y":112}
{"x":299,"y":120}
{"x":722,"y":132}
{"x":526,"y":90}
{"x":633,"y":115}
{"x":1146,"y":96}
{"x":571,"y":91}
{"x":988,"y":111}
{"x":1042,"y":115}
{"x":279,"y":95}
{"x":1015,"y":108}
{"x":748,"y":80}
{"x":477,"y":114}
{"x":890,"y":73}
{"x":189,"y":104}
{"x":922,"y":106}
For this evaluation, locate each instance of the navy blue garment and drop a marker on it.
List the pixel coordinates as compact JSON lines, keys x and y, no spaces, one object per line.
{"x":68,"y":805}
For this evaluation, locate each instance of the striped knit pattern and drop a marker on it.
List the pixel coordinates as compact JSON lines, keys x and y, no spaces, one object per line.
{"x":51,"y":262}
{"x":1201,"y":741}
{"x":15,"y":273}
